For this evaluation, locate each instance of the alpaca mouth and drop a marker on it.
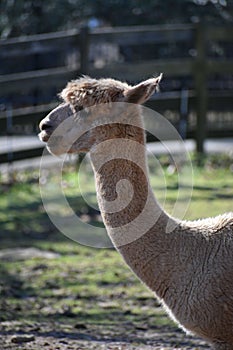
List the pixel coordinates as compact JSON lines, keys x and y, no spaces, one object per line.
{"x":44,"y":136}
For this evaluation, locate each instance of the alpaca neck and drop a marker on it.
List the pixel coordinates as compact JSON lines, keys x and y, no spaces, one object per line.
{"x":126,"y":201}
{"x":133,"y":218}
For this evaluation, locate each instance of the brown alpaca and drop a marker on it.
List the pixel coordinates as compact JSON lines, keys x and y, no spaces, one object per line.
{"x":189,"y":267}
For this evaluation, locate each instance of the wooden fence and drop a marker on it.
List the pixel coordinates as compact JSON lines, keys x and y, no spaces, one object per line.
{"x":197,"y":66}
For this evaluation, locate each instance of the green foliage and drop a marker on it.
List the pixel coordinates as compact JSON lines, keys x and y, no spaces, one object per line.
{"x":24,"y":17}
{"x":155,"y":11}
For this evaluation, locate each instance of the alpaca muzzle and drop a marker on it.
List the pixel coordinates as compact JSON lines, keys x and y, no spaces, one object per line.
{"x":53,"y":120}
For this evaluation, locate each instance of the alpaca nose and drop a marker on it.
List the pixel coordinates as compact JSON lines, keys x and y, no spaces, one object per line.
{"x":45,"y":125}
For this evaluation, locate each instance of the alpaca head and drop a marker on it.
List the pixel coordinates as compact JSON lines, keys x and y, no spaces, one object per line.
{"x":89,"y":110}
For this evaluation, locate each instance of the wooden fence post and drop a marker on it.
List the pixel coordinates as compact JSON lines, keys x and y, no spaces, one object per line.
{"x":84,"y":49}
{"x":200,"y":77}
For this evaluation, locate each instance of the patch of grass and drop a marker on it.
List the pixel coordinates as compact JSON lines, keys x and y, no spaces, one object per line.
{"x":209,"y":186}
{"x":79,"y":286}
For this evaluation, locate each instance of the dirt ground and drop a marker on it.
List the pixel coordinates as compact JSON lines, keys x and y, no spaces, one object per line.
{"x":58,"y":336}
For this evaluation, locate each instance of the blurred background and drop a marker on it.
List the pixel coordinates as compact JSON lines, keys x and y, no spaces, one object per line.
{"x":45,"y":44}
{"x":51,"y":289}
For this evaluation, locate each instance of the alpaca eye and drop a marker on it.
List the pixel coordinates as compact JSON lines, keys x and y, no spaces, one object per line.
{"x":79,"y":108}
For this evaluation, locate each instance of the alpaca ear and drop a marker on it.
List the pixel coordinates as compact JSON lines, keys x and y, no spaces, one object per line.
{"x":143,"y":91}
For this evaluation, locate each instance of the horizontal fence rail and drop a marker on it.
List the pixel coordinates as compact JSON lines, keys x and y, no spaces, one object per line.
{"x":196,"y":65}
